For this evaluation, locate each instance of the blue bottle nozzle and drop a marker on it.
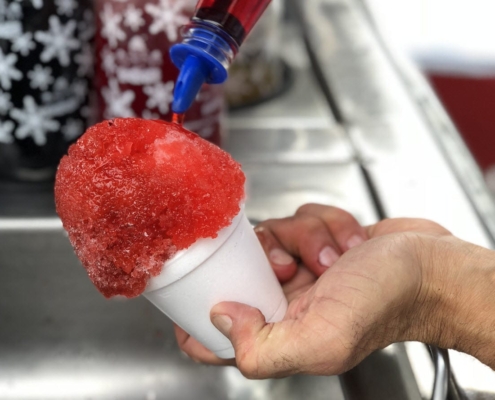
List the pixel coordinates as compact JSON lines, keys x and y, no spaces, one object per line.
{"x":203,"y":57}
{"x":193,"y":74}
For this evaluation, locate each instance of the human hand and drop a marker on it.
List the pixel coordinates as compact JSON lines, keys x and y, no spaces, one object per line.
{"x":383,"y":289}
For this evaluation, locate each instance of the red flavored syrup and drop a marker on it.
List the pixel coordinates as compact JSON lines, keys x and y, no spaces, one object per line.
{"x":237,"y":17}
{"x":132,"y":192}
{"x":178,"y":118}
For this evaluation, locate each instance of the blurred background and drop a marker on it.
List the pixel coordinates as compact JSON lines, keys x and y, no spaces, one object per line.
{"x":381,"y":107}
{"x":451,"y":41}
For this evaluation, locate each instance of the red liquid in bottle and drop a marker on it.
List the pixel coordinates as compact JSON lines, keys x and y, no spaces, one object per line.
{"x":237,"y":17}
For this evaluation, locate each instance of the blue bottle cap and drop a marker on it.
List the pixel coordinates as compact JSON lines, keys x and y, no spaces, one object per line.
{"x":203,"y":59}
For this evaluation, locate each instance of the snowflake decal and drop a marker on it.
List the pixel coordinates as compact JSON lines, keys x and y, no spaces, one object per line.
{"x":167,"y":17}
{"x":80,"y":89}
{"x":37,"y":4}
{"x":133,"y":18}
{"x":147,"y":114}
{"x":40,"y":77}
{"x":66,"y":7}
{"x":23,"y":44}
{"x":33,"y":121}
{"x":8,"y":71}
{"x":14,"y":11}
{"x":5,"y":103}
{"x":108,"y":61}
{"x":111,"y":26}
{"x":87,"y":26}
{"x":61,"y":84}
{"x":85,"y":61}
{"x":58,"y":41}
{"x":160,"y":96}
{"x":72,"y":129}
{"x":6,"y":129}
{"x":3,"y":9}
{"x":118,"y":102}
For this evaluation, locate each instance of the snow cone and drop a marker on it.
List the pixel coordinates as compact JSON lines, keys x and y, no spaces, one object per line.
{"x":152,"y":208}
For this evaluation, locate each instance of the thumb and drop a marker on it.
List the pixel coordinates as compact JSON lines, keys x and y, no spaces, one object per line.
{"x":262,"y":349}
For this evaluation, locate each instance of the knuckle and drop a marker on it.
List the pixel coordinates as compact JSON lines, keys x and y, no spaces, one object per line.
{"x":339,"y":218}
{"x":248,"y":365}
{"x":305,"y":208}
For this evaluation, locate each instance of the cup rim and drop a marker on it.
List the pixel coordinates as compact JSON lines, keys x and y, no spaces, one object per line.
{"x":187,"y":260}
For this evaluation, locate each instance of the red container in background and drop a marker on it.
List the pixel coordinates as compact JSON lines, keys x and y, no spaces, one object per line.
{"x":134,"y":74}
{"x":470,"y":101}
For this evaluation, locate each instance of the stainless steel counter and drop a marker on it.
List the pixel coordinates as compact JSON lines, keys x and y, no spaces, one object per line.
{"x":356,"y":129}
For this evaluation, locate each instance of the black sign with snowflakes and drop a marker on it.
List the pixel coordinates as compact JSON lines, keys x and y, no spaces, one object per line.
{"x":46,"y":67}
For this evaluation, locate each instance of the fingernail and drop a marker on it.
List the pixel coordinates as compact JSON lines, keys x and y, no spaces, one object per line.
{"x":280,"y":257}
{"x":355,"y":241}
{"x":223,"y":323}
{"x":328,"y":256}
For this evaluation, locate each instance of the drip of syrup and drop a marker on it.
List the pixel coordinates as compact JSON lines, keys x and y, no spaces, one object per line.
{"x":178,"y":118}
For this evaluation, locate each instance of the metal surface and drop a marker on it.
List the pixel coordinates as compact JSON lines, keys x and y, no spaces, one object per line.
{"x":388,"y":130}
{"x":411,"y":154}
{"x":384,"y":375}
{"x":60,"y":339}
{"x":442,"y":373}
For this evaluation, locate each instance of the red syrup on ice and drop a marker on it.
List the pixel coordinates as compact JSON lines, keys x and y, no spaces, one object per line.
{"x":132,"y":192}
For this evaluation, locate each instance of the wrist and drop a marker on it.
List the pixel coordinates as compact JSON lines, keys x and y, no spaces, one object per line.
{"x":455,"y":307}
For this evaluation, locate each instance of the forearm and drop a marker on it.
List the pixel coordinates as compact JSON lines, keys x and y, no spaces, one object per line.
{"x":458,"y":309}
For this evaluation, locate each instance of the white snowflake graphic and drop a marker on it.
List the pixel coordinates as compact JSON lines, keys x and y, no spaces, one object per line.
{"x":33,"y":121}
{"x":8,"y":71}
{"x":6,"y":129}
{"x":14,"y":12}
{"x":133,"y":18}
{"x":80,"y":89}
{"x":66,"y":7}
{"x":87,"y":26}
{"x":111,"y":26}
{"x":23,"y":44}
{"x":118,"y":102}
{"x":147,"y":114}
{"x":61,"y":84}
{"x":59,"y":41}
{"x":72,"y":129}
{"x":40,"y":77}
{"x":160,"y":96}
{"x":156,"y":58}
{"x":37,"y":4}
{"x":85,"y":60}
{"x":47,"y":97}
{"x":167,"y":17}
{"x":121,"y":56}
{"x":5,"y":103}
{"x":3,"y":9}
{"x":108,"y":61}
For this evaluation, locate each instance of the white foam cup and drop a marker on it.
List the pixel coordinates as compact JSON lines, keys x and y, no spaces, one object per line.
{"x":230,"y":267}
